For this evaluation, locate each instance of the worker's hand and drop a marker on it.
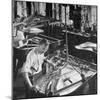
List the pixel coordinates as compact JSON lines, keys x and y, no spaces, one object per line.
{"x":33,"y":88}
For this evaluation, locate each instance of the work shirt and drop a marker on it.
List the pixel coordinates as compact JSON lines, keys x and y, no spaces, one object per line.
{"x":33,"y":64}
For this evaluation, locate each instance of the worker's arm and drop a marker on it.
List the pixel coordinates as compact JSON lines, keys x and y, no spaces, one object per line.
{"x":27,"y":80}
{"x":17,"y":24}
{"x":30,"y":85}
{"x":26,"y":69}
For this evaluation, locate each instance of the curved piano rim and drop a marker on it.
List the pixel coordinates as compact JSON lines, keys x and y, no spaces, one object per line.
{"x":76,"y":92}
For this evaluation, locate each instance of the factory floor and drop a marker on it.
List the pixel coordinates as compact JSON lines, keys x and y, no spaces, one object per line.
{"x":19,"y":86}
